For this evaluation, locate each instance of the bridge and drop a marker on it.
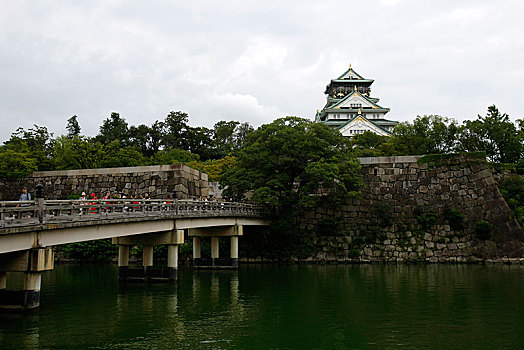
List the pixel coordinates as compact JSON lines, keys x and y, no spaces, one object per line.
{"x":29,"y":230}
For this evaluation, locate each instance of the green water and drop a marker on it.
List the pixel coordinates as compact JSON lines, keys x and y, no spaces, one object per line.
{"x":278,"y":307}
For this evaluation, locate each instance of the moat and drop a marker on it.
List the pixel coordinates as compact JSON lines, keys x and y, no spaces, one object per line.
{"x":277,"y":307}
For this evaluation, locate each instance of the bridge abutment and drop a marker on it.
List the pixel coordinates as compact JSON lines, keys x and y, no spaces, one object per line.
{"x":31,"y":262}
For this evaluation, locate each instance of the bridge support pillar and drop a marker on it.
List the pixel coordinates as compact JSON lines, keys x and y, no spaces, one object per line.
{"x":172,"y":261}
{"x":147,"y":260}
{"x":214,"y":250}
{"x":3,"y":280}
{"x":123,"y":261}
{"x":196,"y":251}
{"x":32,"y":262}
{"x":234,"y":251}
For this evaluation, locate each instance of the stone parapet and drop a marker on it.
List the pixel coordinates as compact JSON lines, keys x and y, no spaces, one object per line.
{"x":159,"y":181}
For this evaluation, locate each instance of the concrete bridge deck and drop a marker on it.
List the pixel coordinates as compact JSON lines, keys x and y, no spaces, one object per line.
{"x":43,"y":223}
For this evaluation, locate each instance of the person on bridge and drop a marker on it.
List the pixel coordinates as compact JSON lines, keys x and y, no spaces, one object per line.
{"x":25,"y":196}
{"x":92,"y":210}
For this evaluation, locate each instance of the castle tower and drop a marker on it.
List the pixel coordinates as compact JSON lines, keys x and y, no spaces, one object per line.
{"x":351,"y":109}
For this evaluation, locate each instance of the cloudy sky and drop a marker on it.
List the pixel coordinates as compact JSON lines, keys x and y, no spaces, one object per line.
{"x":253,"y":61}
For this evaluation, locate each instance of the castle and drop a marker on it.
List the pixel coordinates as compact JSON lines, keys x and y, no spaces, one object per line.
{"x":351,"y":109}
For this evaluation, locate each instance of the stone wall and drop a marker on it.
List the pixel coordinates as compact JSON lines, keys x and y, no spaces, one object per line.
{"x":411,"y":210}
{"x":159,"y":181}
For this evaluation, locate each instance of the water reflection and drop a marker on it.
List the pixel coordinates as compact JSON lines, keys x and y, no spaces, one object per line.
{"x":275,"y":306}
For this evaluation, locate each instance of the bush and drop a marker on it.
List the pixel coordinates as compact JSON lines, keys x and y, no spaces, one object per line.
{"x":353,"y":253}
{"x":484,"y":230}
{"x":455,"y":219}
{"x":99,"y":250}
{"x":384,"y":215}
{"x":512,"y":189}
{"x":425,"y":220}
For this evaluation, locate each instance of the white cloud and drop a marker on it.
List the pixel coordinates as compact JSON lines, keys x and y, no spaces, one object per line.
{"x":252,"y":61}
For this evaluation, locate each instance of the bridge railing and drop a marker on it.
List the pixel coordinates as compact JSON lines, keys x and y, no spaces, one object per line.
{"x":18,"y":213}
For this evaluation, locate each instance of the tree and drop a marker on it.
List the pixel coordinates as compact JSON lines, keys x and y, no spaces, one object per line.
{"x":224,"y":137}
{"x":427,"y":135}
{"x":368,"y":144}
{"x":79,"y":152}
{"x":16,"y":163}
{"x":114,"y":128}
{"x":73,"y":128}
{"x":288,"y":165}
{"x":37,"y":142}
{"x":117,"y":156}
{"x":176,"y":128}
{"x":174,"y":156}
{"x":214,"y":168}
{"x":199,"y":141}
{"x":147,"y":139}
{"x":496,"y":135}
{"x":241,"y":133}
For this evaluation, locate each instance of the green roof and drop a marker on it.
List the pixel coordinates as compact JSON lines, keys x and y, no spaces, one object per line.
{"x":352,"y":81}
{"x":355,"y":110}
{"x":356,"y":92}
{"x":347,"y":71}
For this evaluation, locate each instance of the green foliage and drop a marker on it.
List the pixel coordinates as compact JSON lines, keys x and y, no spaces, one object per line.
{"x":214,"y":168}
{"x":520,"y":167}
{"x":328,"y":227}
{"x":174,"y":156}
{"x":147,"y":139}
{"x":449,"y":158}
{"x":368,"y":144}
{"x":286,"y":161}
{"x":176,"y":130}
{"x":384,"y":215}
{"x":73,"y":127}
{"x":484,"y":230}
{"x":427,"y":134}
{"x":37,"y":142}
{"x":74,"y":195}
{"x":286,"y":165}
{"x":371,"y":233}
{"x":78,"y":152}
{"x":425,"y":219}
{"x":353,"y":253}
{"x":117,"y":156}
{"x":496,"y":135}
{"x":224,"y":133}
{"x":100,"y":250}
{"x":15,"y":164}
{"x":512,"y":189}
{"x":358,"y":240}
{"x":114,"y":128}
{"x":455,"y":219}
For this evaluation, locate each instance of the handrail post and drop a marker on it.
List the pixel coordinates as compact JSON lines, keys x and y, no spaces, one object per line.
{"x":39,"y":194}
